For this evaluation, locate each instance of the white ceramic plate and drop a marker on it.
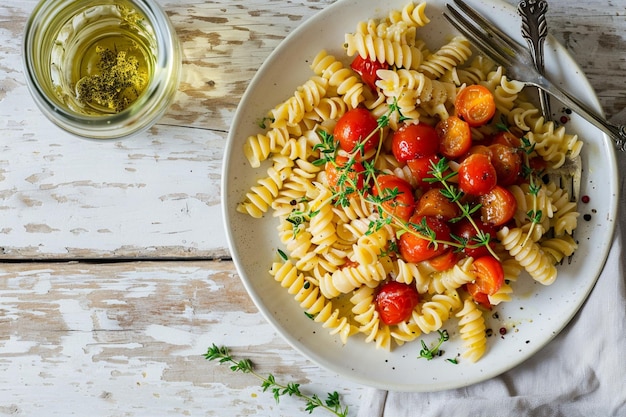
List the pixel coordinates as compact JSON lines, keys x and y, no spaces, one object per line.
{"x":536,"y":314}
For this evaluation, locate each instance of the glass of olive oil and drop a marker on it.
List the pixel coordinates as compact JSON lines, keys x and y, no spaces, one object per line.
{"x":101,"y":69}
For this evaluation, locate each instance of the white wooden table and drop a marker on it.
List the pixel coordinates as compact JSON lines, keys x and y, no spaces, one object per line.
{"x":114,"y":270}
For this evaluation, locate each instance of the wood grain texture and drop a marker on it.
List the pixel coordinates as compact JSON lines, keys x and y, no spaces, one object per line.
{"x":126,"y":338}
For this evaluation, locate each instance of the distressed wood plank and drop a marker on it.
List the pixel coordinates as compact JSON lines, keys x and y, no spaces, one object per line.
{"x":128,"y":339}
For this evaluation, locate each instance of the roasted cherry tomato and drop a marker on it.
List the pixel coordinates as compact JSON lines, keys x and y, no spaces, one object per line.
{"x":444,"y":261}
{"x":507,"y":138}
{"x":433,"y":203}
{"x":483,"y":149}
{"x":477,"y":175}
{"x":508,"y":163}
{"x":537,"y":164}
{"x":412,"y":141}
{"x":421,"y":169}
{"x":344,"y":174}
{"x":466,"y":230}
{"x":395,"y":301}
{"x":479,"y":297}
{"x":355,"y":127}
{"x":397,"y":196}
{"x":367,"y":68}
{"x":475,"y":104}
{"x":455,"y":137}
{"x":416,"y":248}
{"x":489,"y":279}
{"x":489,"y":274}
{"x":498,"y":206}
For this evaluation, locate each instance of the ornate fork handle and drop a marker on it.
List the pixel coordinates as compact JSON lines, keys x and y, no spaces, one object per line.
{"x":535,"y":31}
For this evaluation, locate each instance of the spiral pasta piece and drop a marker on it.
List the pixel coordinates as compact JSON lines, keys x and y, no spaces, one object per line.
{"x":343,"y":79}
{"x":565,"y":218}
{"x":430,"y":315}
{"x":288,"y":276}
{"x":412,"y":14}
{"x":332,"y":319}
{"x":528,"y":254}
{"x":453,"y":278}
{"x":349,"y":278}
{"x":558,"y":248}
{"x":408,"y":272}
{"x":364,"y":310}
{"x":473,"y":331}
{"x":449,"y":56}
{"x":305,"y":99}
{"x":311,"y":300}
{"x":528,"y":202}
{"x":405,"y":331}
{"x":370,"y":247}
{"x":259,"y":147}
{"x":322,"y":225}
{"x":502,"y":295}
{"x":260,"y":197}
{"x":383,"y":50}
{"x":552,"y":143}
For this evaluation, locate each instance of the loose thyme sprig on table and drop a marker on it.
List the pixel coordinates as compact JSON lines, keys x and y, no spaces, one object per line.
{"x":332,"y":403}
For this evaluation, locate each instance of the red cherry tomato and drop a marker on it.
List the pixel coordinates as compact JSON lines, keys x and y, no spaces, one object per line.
{"x":479,"y":149}
{"x":367,"y":68}
{"x":421,"y":168}
{"x":498,"y":206}
{"x":357,"y":126}
{"x":537,"y":164}
{"x":489,"y":279}
{"x":397,"y":195}
{"x":508,"y":163}
{"x":433,"y":203}
{"x":489,"y":274}
{"x":412,"y":141}
{"x":395,"y":301}
{"x":444,"y":261}
{"x":475,"y":104}
{"x":415,"y":248}
{"x":479,"y":297}
{"x":344,"y":174}
{"x":465,"y":230}
{"x":455,"y":136}
{"x":507,"y":138}
{"x":477,"y":175}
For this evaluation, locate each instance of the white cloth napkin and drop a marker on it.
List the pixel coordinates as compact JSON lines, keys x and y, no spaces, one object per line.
{"x":582,"y":372}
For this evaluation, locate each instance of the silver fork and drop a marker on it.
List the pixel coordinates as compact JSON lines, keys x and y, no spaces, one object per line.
{"x":535,"y":31}
{"x":505,"y":51}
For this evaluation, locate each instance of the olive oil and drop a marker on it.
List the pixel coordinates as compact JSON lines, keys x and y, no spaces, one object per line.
{"x":106,"y":60}
{"x":101,"y":69}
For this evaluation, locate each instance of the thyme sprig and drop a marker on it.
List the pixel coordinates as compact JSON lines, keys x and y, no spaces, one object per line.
{"x":442,"y":173}
{"x":429,"y":353}
{"x":348,"y":179}
{"x":535,"y":214}
{"x":332,"y":403}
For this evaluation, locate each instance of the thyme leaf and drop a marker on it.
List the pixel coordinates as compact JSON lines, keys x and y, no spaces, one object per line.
{"x":429,"y":353}
{"x":332,"y":403}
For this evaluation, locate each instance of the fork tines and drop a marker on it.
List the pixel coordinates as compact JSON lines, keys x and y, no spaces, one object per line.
{"x":489,"y":39}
